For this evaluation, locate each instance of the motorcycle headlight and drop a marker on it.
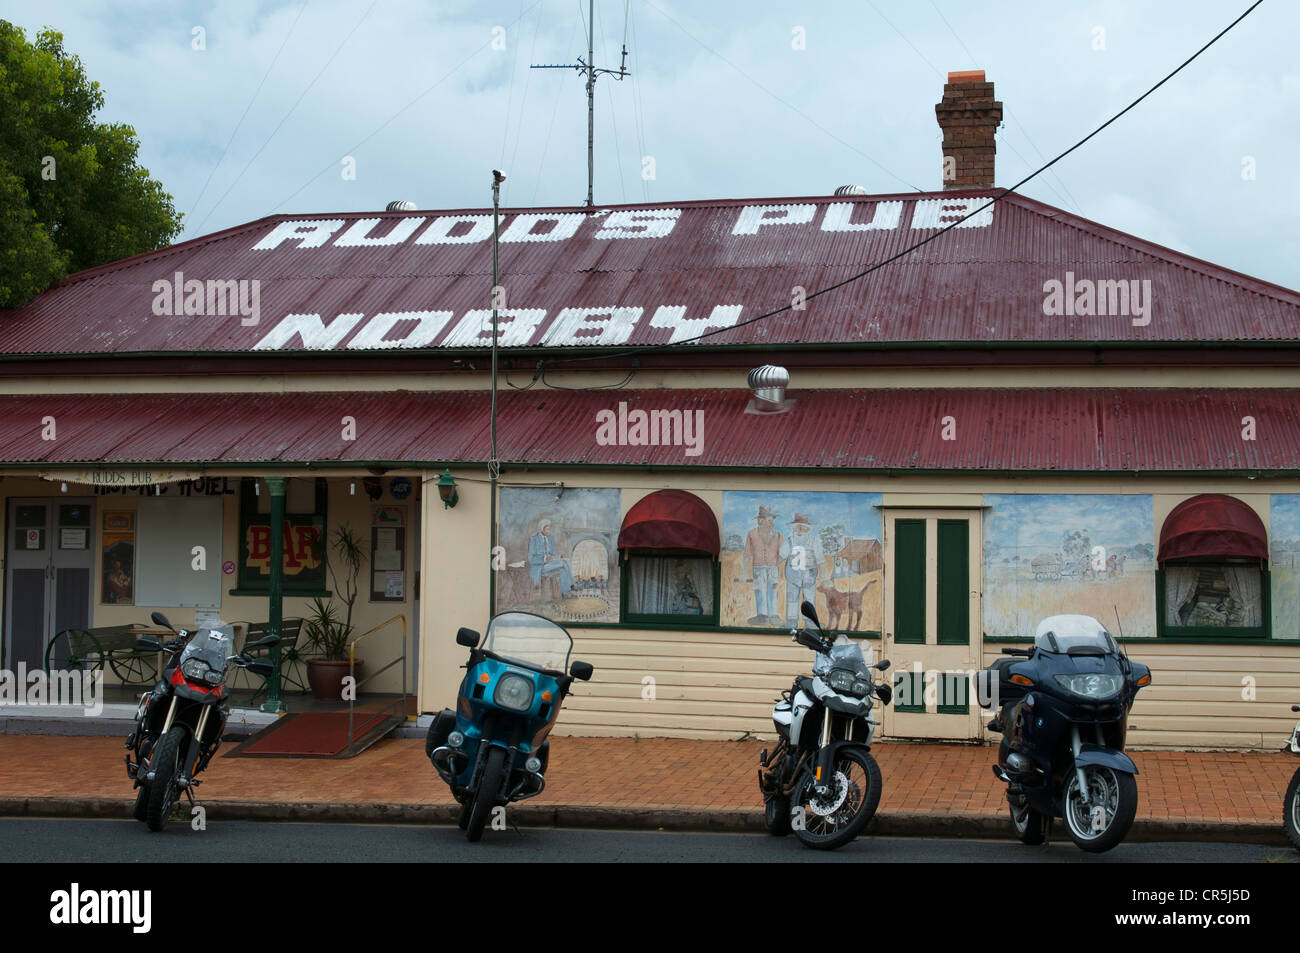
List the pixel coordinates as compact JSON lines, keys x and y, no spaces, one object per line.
{"x":1091,"y":686}
{"x":195,"y":669}
{"x":514,"y":692}
{"x":861,"y":687}
{"x":213,"y":677}
{"x":840,"y":680}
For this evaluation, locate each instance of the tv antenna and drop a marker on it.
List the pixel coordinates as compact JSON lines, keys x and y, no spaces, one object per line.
{"x":588,"y":68}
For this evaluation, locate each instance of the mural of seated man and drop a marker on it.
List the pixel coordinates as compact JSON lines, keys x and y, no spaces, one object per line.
{"x":543,"y":561}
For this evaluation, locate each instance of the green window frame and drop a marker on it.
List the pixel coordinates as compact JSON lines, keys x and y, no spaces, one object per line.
{"x":249,"y":582}
{"x":1262,"y":631}
{"x":651,"y":620}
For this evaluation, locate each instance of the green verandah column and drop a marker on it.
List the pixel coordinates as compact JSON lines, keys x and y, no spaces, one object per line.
{"x":275,"y":484}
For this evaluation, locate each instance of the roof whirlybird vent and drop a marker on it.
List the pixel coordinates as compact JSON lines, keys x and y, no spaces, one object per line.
{"x":401,"y":205}
{"x":851,"y":190}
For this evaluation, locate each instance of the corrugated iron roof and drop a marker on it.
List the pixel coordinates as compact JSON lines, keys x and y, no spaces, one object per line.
{"x":983,"y":283}
{"x":1025,"y":430}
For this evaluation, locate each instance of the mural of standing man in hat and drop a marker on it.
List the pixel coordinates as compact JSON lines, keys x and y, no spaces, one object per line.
{"x":762,"y":552}
{"x":803,"y":555}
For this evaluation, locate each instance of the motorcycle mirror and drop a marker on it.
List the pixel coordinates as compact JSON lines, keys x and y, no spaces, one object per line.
{"x":581,"y":670}
{"x":810,"y":612}
{"x":884,"y":693}
{"x":1295,"y":707}
{"x":158,"y":618}
{"x":883,"y":664}
{"x":147,"y":643}
{"x":467,"y":637}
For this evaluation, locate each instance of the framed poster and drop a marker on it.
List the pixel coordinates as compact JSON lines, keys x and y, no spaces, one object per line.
{"x":388,"y":553}
{"x":117,"y":583}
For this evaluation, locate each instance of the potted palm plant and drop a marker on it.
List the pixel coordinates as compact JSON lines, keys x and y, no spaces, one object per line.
{"x":328,"y":629}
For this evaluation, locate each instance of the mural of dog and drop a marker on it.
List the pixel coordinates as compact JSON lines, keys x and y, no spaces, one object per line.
{"x":844,"y":605}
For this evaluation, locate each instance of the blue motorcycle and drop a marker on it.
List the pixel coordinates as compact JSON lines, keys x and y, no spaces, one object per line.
{"x":493,"y":750}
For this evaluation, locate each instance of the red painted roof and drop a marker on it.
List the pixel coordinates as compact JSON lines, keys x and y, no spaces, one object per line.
{"x":1026,"y":430}
{"x":984,"y":283}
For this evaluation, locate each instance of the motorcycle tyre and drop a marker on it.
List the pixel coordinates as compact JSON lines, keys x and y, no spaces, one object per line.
{"x":865,"y":813}
{"x":486,"y":795}
{"x":463,"y":821}
{"x":1125,"y":811}
{"x":163,"y":791}
{"x":1291,"y":810}
{"x":141,"y":810}
{"x":1034,"y":829}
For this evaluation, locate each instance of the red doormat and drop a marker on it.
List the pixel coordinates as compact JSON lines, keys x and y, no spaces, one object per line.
{"x":320,"y":734}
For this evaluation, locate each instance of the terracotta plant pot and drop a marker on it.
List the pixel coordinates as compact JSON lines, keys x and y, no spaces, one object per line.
{"x":326,"y":678}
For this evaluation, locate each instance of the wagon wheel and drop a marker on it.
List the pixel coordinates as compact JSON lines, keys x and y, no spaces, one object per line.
{"x":132,"y":669}
{"x":80,"y":654}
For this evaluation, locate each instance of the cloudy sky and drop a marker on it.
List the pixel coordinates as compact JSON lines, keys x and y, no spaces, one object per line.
{"x":246,"y":108}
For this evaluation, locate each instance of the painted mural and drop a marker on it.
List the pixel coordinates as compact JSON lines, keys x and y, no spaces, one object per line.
{"x":779,"y":549}
{"x":560,"y":555}
{"x":1284,"y":559}
{"x":1069,"y":553}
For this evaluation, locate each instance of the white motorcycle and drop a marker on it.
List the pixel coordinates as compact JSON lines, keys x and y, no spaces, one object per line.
{"x":821,"y":781}
{"x":1291,"y":803}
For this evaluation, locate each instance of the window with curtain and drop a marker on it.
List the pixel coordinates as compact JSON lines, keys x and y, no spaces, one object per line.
{"x":1209,"y":598}
{"x":671,"y":588}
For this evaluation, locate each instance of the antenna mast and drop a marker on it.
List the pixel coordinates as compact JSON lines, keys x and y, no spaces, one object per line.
{"x":588,"y":68}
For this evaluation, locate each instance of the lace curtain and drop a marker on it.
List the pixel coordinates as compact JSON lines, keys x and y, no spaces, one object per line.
{"x":1243,"y":607}
{"x":670,"y":585}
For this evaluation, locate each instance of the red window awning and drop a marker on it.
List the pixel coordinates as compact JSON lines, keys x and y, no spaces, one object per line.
{"x":1212,"y":524}
{"x":670,"y":519}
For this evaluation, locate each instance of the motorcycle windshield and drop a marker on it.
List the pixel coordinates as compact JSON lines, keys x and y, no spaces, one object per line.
{"x":529,"y":640}
{"x":845,"y":654}
{"x":213,"y":646}
{"x":1061,"y":633}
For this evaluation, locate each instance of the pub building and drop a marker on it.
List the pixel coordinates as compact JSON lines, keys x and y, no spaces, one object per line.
{"x":1031,"y":414}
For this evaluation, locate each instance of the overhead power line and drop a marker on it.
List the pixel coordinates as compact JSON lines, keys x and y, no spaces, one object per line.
{"x":923,"y":242}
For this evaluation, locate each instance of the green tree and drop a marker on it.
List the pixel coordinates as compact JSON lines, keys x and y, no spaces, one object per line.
{"x":71,"y":193}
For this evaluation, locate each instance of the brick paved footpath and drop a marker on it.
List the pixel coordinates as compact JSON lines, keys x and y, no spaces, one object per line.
{"x":627,"y":776}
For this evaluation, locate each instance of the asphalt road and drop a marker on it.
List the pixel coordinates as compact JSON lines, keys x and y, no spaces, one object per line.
{"x":25,"y":840}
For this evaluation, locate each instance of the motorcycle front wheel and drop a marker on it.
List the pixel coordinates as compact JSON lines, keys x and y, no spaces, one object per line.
{"x":141,"y":810}
{"x":1291,"y":810}
{"x":166,"y":764}
{"x":825,"y":822}
{"x":485,"y":797}
{"x":1115,"y":793}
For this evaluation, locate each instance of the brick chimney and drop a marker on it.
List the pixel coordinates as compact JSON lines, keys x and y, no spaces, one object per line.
{"x":969,"y":116}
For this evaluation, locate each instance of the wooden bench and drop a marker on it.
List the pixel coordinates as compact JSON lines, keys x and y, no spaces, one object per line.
{"x":290,"y":631}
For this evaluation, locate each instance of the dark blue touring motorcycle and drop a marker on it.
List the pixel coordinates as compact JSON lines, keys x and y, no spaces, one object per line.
{"x":1064,"y":716}
{"x":493,"y":750}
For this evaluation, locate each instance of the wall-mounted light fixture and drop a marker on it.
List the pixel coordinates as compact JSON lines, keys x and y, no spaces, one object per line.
{"x":353,"y":491}
{"x":447,"y":489}
{"x":257,"y":488}
{"x":63,"y":488}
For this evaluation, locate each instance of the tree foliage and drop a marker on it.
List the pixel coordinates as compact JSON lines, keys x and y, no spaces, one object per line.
{"x":71,"y":193}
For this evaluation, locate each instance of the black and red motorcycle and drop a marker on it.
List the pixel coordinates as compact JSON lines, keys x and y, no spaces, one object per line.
{"x":178,"y":725}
